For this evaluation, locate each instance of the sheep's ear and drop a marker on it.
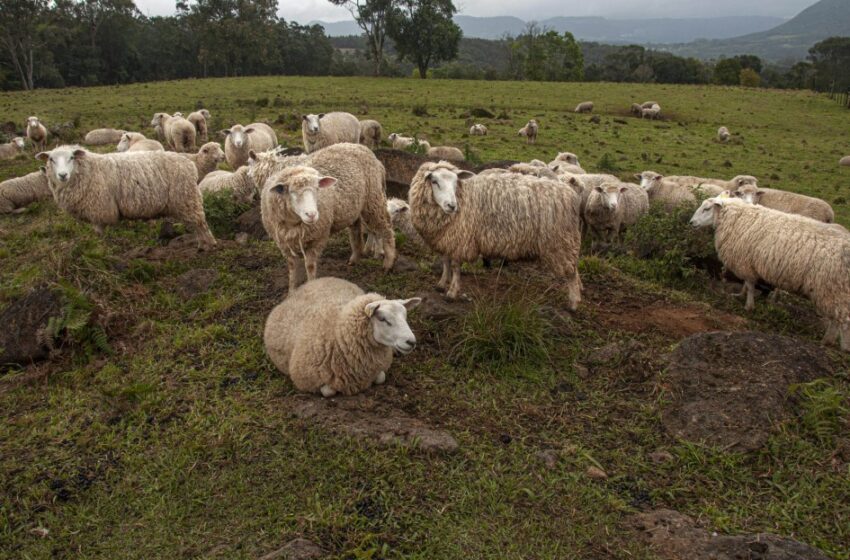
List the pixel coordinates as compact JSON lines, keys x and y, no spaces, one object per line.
{"x":760,"y":193}
{"x":325,"y":182}
{"x":304,"y":117}
{"x":465,"y":175}
{"x":252,"y":155}
{"x":429,"y":177}
{"x":43,"y":170}
{"x":224,"y":132}
{"x":321,"y":115}
{"x":556,"y":168}
{"x":639,"y":176}
{"x":249,"y":130}
{"x":574,"y":181}
{"x":79,"y":153}
{"x":623,"y":189}
{"x":658,"y":177}
{"x":372,"y":308}
{"x":403,"y":209}
{"x":411,"y":303}
{"x":280,"y":188}
{"x":597,"y":188}
{"x":43,"y":156}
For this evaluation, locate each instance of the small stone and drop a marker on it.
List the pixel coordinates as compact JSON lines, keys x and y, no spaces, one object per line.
{"x":596,"y":473}
{"x":581,"y":371}
{"x":549,"y":458}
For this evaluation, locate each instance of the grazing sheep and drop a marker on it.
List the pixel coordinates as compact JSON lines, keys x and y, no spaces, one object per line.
{"x":177,"y":133}
{"x":36,"y":133}
{"x":637,"y":109}
{"x":648,"y":104}
{"x":530,"y":131}
{"x":343,"y":187}
{"x":586,"y":107}
{"x":323,"y":130}
{"x":199,"y":120}
{"x":652,"y":113}
{"x":18,"y":193}
{"x":330,"y":337}
{"x":102,"y":189}
{"x":612,"y":207}
{"x":207,"y":159}
{"x":239,"y":182}
{"x":103,"y":136}
{"x":478,"y":130}
{"x":399,"y":212}
{"x":723,"y":134}
{"x":785,"y":201}
{"x":13,"y":148}
{"x":814,"y":259}
{"x":371,"y":133}
{"x":845,"y":161}
{"x":508,"y":215}
{"x":135,"y":142}
{"x":242,"y":140}
{"x":449,"y":153}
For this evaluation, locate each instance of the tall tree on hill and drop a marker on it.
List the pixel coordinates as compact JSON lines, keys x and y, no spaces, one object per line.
{"x":21,"y":34}
{"x":424,"y":33}
{"x":831,"y":61}
{"x":371,"y":16}
{"x":545,"y":55}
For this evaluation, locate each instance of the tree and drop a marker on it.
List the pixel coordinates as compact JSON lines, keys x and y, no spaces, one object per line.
{"x":424,"y":33}
{"x":371,"y":16}
{"x":749,"y":78}
{"x":544,"y":55}
{"x":831,"y":61}
{"x":727,"y":72}
{"x":21,"y":34}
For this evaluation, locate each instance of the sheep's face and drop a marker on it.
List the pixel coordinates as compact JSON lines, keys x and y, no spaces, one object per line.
{"x":204,"y":113}
{"x":745,"y":180}
{"x":392,"y":137}
{"x":568,"y":157}
{"x":32,"y":122}
{"x":389,"y":323}
{"x":61,"y":163}
{"x":238,"y":135}
{"x":312,"y":123}
{"x":213,"y":151}
{"x":301,"y":187}
{"x":444,"y":184}
{"x":18,"y":142}
{"x":610,"y":195}
{"x":748,"y":193}
{"x":124,"y":143}
{"x":158,"y":118}
{"x":648,"y":179}
{"x":707,"y":212}
{"x":397,"y":208}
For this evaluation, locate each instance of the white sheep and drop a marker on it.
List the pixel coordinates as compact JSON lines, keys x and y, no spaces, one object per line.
{"x":136,"y":142}
{"x":636,"y":109}
{"x":612,"y":207}
{"x":672,"y":194}
{"x":13,"y":148}
{"x":845,"y":161}
{"x":19,"y":192}
{"x":723,"y":134}
{"x":327,"y":129}
{"x":530,"y":131}
{"x":478,"y":130}
{"x":207,"y":159}
{"x":449,"y":153}
{"x":652,"y":113}
{"x":36,"y":133}
{"x":785,"y":201}
{"x":566,"y":162}
{"x":648,"y":104}
{"x":241,"y":140}
{"x":200,"y":120}
{"x":400,"y":142}
{"x":239,"y":182}
{"x":178,"y":133}
{"x":371,"y":133}
{"x":332,"y":338}
{"x":585,"y":107}
{"x":103,"y":136}
{"x":399,"y":213}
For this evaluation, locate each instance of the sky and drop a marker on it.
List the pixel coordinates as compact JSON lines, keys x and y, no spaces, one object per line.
{"x":304,"y":11}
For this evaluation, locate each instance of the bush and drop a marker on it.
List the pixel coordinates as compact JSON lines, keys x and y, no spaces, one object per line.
{"x":221,"y":211}
{"x":420,"y":111}
{"x":608,"y":164}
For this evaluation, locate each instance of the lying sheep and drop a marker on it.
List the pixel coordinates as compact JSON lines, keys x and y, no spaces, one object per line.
{"x":36,"y":133}
{"x":207,"y":159}
{"x":534,"y":170}
{"x":612,"y":207}
{"x":530,"y":131}
{"x":652,"y":113}
{"x":242,"y":140}
{"x":586,"y":107}
{"x":670,"y":194}
{"x":371,"y":133}
{"x":199,"y":120}
{"x":723,"y":134}
{"x":103,"y":136}
{"x":102,"y":189}
{"x":13,"y":148}
{"x":343,"y":187}
{"x":177,"y":133}
{"x":845,"y":161}
{"x":400,"y":142}
{"x":449,"y":153}
{"x":18,"y":193}
{"x":330,"y":337}
{"x":135,"y":142}
{"x":239,"y":182}
{"x":478,"y":130}
{"x":321,"y":131}
{"x":508,"y":215}
{"x":813,"y":260}
{"x":786,"y":201}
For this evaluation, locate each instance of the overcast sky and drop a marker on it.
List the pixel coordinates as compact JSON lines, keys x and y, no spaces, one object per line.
{"x":308,"y":10}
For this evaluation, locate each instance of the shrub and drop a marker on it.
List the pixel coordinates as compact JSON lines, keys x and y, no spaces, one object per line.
{"x":823,"y":410}
{"x":608,"y":164}
{"x":420,"y":111}
{"x":221,"y":211}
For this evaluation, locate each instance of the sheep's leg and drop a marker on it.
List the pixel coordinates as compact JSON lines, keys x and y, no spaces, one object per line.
{"x":204,"y":235}
{"x":381,"y":378}
{"x":390,"y":252}
{"x":444,"y":279}
{"x":454,"y":287}
{"x":327,"y":392}
{"x":355,"y":236}
{"x":751,"y":295}
{"x":832,"y":333}
{"x":845,"y":336}
{"x":292,"y":264}
{"x":311,"y":263}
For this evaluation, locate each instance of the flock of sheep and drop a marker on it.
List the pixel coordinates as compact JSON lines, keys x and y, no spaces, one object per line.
{"x":328,"y":335}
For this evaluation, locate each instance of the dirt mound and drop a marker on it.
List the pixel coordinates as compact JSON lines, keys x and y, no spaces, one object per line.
{"x":729,"y":389}
{"x":674,"y":536}
{"x":21,"y":340}
{"x":359,"y":417}
{"x":251,"y":222}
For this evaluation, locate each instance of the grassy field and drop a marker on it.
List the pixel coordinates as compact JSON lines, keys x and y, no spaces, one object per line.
{"x":175,"y":439}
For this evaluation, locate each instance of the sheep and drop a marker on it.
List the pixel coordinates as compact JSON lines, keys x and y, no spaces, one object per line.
{"x":612,"y":207}
{"x":668,"y":193}
{"x":199,"y":120}
{"x":330,"y":337}
{"x":242,"y":140}
{"x":508,"y":215}
{"x":178,"y":133}
{"x":102,"y":189}
{"x":478,"y":130}
{"x":566,"y":162}
{"x":723,"y":134}
{"x":135,"y":142}
{"x":103,"y":136}
{"x":449,"y":153}
{"x":649,"y":104}
{"x":207,"y":159}
{"x":653,"y":113}
{"x":530,"y":131}
{"x":326,"y":129}
{"x":300,"y":209}
{"x":636,"y":109}
{"x":400,"y":142}
{"x":239,"y":182}
{"x":18,"y":193}
{"x":13,"y":148}
{"x":585,"y":107}
{"x":845,"y":161}
{"x":371,"y":133}
{"x":533,"y":170}
{"x":785,"y":201}
{"x":814,"y":260}
{"x":399,"y":213}
{"x":36,"y":133}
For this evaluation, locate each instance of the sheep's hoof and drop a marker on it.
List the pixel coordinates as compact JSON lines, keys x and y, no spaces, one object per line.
{"x":353,"y":260}
{"x":381,"y":378}
{"x":327,"y":392}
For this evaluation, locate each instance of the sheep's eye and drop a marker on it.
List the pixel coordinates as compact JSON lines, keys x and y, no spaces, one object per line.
{"x":383,"y":320}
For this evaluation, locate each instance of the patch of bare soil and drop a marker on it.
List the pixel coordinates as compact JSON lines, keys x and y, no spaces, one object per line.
{"x":672,"y":320}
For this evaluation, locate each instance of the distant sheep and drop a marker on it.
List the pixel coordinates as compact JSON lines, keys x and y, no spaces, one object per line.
{"x":200,"y":120}
{"x":786,"y":201}
{"x":103,"y":189}
{"x":723,"y":134}
{"x":449,"y":153}
{"x":332,"y":338}
{"x":530,"y":131}
{"x":242,"y":140}
{"x":177,"y":133}
{"x":239,"y":182}
{"x":18,"y":193}
{"x":652,"y":113}
{"x":371,"y":134}
{"x":845,"y":161}
{"x":636,"y":109}
{"x":103,"y":136}
{"x":400,"y":142}
{"x":612,"y":207}
{"x":135,"y":142}
{"x":566,"y":162}
{"x":478,"y":130}
{"x":207,"y":159}
{"x":321,"y":131}
{"x":648,"y":104}
{"x":36,"y":133}
{"x":586,"y":107}
{"x":13,"y":148}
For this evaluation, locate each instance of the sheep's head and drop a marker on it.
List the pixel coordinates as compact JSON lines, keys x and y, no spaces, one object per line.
{"x":32,"y":122}
{"x":648,"y":179}
{"x":389,"y":323}
{"x":747,"y":192}
{"x":18,"y":142}
{"x":206,"y":114}
{"x":445,"y":180}
{"x":610,"y":195}
{"x":396,"y":208}
{"x":706,"y":214}
{"x":237,"y":134}
{"x":300,"y":185}
{"x":568,"y":157}
{"x":742,"y":180}
{"x":61,"y":162}
{"x":312,"y":123}
{"x":213,"y":151}
{"x":392,"y":137}
{"x":158,"y":118}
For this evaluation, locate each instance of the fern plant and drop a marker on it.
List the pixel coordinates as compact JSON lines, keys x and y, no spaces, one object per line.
{"x":75,"y":323}
{"x":824,"y":409}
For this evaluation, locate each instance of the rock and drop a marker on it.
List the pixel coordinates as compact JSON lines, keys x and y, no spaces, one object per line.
{"x":357,"y":417}
{"x":22,"y":338}
{"x":596,"y":473}
{"x":297,"y":549}
{"x":660,"y":457}
{"x":621,"y":121}
{"x":251,"y":222}
{"x":549,"y":458}
{"x":10,"y":129}
{"x":729,"y":389}
{"x":673,"y":536}
{"x":194,"y":282}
